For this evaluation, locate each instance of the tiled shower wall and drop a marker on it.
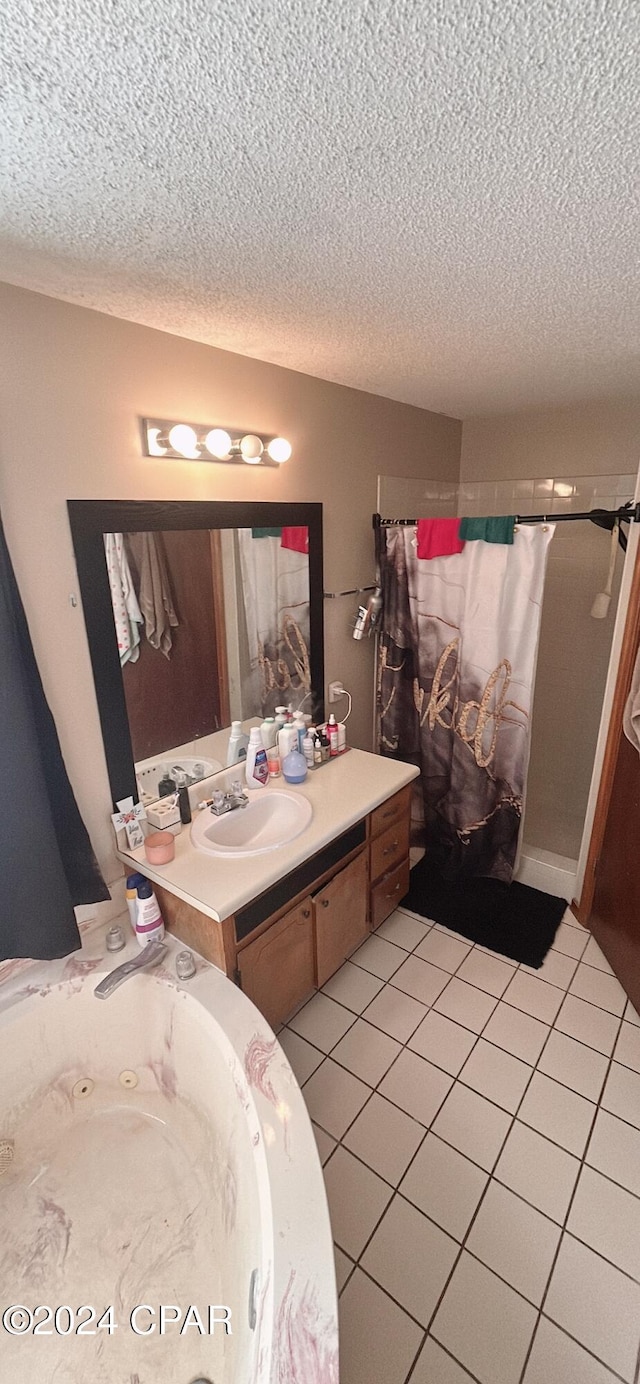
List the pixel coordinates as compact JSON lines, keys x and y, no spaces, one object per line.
{"x":574,"y":648}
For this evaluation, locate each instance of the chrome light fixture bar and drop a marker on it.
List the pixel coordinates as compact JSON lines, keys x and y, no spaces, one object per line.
{"x":161,"y":437}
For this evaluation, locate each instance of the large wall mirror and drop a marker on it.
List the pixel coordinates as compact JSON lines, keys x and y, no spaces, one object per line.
{"x":198,"y":613}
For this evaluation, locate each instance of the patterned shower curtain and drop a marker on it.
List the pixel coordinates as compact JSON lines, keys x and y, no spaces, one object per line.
{"x":457,"y":660}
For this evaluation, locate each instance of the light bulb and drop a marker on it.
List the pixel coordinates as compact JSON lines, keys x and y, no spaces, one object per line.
{"x":251,"y":448}
{"x":184,"y":439}
{"x":153,"y":446}
{"x":218,"y":443}
{"x":279,"y":449}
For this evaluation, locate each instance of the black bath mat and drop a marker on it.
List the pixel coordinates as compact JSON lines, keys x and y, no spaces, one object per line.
{"x":512,"y":919}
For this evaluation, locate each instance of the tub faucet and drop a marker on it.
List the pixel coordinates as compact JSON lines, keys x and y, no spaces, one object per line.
{"x":149,"y":956}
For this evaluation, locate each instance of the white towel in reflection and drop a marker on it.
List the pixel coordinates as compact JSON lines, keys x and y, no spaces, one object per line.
{"x":631,"y":717}
{"x":156,"y":601}
{"x":126,"y":611}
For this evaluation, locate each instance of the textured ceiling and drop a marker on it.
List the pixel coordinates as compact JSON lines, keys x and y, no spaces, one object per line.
{"x":435,"y":201}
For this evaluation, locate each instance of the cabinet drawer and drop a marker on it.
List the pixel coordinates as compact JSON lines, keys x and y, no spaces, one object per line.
{"x":389,"y":849}
{"x":392,"y":811}
{"x":386,"y":895}
{"x":277,"y":971}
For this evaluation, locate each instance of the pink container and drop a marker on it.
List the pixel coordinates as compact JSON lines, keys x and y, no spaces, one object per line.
{"x":160,"y":847}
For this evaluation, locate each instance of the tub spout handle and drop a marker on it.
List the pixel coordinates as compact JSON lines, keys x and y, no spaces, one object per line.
{"x":149,"y":956}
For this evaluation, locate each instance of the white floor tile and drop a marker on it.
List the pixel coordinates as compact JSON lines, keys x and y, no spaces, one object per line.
{"x":516,"y":1032}
{"x":595,"y":957}
{"x":607,"y":1218}
{"x":496,"y":1075}
{"x":473,"y":1125}
{"x":598,"y":988}
{"x":445,"y":1185}
{"x":466,"y":1005}
{"x":484,"y":1323}
{"x":416,"y":1086}
{"x":556,"y":969}
{"x":514,"y":1240}
{"x":420,"y":979}
{"x":575,"y":1065}
{"x":435,"y":1366}
{"x":302,"y":1057}
{"x":534,"y":996}
{"x":357,"y":1199}
{"x":614,"y":1149}
{"x":322,"y":1022}
{"x":395,"y":1013}
{"x":405,"y":1237}
{"x":441,"y":1041}
{"x":344,"y":1265}
{"x":385,"y":1138}
{"x":379,"y":957}
{"x":404,"y":931}
{"x":621,"y":1094}
{"x":588,"y":1024}
{"x":498,"y":956}
{"x":538,"y":1170}
{"x":325,"y":1142}
{"x":444,"y":951}
{"x":334,"y":1097}
{"x":486,"y":972}
{"x":555,"y":1357}
{"x":627,"y":1050}
{"x":571,"y":940}
{"x":560,"y":1114}
{"x":366,"y":1051}
{"x":597,"y":1304}
{"x":353,"y":987}
{"x":378,"y":1341}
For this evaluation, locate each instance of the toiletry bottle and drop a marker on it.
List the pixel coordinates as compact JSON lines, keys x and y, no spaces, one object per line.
{"x":332,"y":733}
{"x":325,"y":747}
{"x":149,"y":924}
{"x":307,"y":750}
{"x":287,"y":740}
{"x":166,"y":786}
{"x":281,"y":716}
{"x":238,"y":744}
{"x":342,"y":737}
{"x":268,"y":732}
{"x":300,"y":729}
{"x":184,"y":804}
{"x":317,"y":749}
{"x":256,"y":766}
{"x":132,"y":896}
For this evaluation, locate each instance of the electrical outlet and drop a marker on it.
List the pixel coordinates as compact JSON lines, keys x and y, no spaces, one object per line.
{"x":336,"y":690}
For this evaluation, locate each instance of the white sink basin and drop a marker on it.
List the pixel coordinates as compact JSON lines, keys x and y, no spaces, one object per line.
{"x":272,"y":818}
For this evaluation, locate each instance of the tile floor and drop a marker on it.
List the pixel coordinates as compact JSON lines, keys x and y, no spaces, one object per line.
{"x":479,"y":1126}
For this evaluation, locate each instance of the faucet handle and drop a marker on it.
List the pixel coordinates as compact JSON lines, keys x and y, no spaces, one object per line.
{"x":237,"y":789}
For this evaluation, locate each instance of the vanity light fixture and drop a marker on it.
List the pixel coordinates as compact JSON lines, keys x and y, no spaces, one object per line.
{"x":202,"y":442}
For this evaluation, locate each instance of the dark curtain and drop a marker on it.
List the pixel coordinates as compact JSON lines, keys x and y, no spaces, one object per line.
{"x":47,"y":864}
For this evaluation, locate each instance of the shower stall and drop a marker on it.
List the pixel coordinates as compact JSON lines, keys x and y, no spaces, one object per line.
{"x":574,"y":648}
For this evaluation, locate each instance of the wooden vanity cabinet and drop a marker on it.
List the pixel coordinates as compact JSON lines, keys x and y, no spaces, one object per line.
{"x":283,"y":945}
{"x":278,"y":971}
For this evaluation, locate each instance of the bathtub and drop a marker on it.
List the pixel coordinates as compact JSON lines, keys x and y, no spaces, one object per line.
{"x":162,"y":1207}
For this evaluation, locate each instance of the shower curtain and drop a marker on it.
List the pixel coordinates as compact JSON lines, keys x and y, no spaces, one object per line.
{"x":275,"y":581}
{"x":47,"y":864}
{"x":457,"y":658}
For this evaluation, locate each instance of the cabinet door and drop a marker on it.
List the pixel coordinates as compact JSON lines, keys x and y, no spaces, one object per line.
{"x":341,"y":910}
{"x":277,"y":971}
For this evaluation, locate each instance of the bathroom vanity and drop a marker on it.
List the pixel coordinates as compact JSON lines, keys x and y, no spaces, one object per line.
{"x":281,"y":923}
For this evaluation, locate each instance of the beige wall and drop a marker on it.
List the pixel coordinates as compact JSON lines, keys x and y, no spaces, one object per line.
{"x":72,"y":386}
{"x":584,"y":440}
{"x":598,"y":439}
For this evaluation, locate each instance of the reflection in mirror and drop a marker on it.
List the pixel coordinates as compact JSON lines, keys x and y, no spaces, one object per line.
{"x":212,"y":626}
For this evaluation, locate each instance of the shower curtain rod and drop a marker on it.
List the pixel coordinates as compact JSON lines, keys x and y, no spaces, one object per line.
{"x":631,"y":513}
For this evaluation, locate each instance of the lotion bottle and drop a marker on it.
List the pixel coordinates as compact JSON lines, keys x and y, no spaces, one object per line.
{"x":332,"y":734}
{"x":149,"y":924}
{"x":238,"y":744}
{"x":256,"y":766}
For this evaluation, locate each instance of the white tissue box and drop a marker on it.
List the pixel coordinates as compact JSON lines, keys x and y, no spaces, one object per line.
{"x":164,"y":815}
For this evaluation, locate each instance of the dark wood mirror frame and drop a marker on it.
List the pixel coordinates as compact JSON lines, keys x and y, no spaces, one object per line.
{"x":90,"y":519}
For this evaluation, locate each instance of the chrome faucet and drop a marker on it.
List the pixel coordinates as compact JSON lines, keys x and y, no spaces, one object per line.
{"x":149,"y":956}
{"x":227,"y":802}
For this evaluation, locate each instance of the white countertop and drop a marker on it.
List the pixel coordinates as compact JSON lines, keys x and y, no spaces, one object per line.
{"x":341,"y":793}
